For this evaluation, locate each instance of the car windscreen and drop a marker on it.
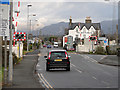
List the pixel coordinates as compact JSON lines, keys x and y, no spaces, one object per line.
{"x":55,"y":55}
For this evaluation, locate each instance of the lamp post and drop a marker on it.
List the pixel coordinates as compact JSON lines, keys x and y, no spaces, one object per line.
{"x":27,"y":25}
{"x":10,"y":73}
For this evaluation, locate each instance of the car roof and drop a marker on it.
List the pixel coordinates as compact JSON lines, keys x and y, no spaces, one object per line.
{"x":57,"y":50}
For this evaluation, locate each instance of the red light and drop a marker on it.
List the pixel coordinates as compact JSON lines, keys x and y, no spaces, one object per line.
{"x":48,"y":62}
{"x":67,"y":62}
{"x":49,"y":55}
{"x":66,"y":55}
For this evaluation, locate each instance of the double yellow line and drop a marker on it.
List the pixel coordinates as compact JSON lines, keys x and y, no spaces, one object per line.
{"x":45,"y":82}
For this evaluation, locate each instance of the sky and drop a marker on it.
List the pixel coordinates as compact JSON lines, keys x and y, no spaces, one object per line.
{"x":54,"y":11}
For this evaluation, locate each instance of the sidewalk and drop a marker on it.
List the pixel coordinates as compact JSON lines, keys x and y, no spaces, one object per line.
{"x":24,"y":75}
{"x":112,"y":60}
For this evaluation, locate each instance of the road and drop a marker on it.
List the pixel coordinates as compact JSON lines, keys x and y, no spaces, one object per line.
{"x":85,"y":73}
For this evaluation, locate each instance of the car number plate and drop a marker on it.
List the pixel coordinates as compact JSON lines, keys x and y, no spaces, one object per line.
{"x":58,"y":59}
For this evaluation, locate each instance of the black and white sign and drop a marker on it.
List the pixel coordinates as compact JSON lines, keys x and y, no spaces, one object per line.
{"x":4,"y":20}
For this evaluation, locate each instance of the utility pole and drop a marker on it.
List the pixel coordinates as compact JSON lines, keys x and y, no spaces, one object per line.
{"x":117,"y":35}
{"x":0,"y":61}
{"x":5,"y":62}
{"x":27,"y":25}
{"x":10,"y":73}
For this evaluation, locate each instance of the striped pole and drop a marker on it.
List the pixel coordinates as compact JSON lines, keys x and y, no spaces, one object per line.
{"x":16,"y":23}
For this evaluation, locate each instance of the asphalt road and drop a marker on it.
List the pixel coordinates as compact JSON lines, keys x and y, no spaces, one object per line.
{"x":85,"y":73}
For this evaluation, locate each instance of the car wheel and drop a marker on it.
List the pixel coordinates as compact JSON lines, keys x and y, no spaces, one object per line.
{"x":47,"y":68}
{"x":68,"y":68}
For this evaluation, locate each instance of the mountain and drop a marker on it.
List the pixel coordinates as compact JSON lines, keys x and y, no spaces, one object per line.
{"x":54,"y":29}
{"x":58,"y":28}
{"x":106,"y":26}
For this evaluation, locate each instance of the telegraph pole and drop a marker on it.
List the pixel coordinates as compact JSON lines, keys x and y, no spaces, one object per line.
{"x":117,"y":35}
{"x":10,"y":73}
{"x":5,"y":62}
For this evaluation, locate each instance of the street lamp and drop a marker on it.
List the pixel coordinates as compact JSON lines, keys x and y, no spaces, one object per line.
{"x":27,"y":24}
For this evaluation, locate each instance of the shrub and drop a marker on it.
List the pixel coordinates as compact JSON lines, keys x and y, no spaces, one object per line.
{"x":100,"y":50}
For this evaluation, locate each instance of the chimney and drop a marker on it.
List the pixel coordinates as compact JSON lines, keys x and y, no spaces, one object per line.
{"x":70,"y":21}
{"x":88,"y":20}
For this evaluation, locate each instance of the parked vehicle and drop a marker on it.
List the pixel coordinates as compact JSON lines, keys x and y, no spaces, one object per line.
{"x":49,"y":46}
{"x":44,"y":45}
{"x":55,"y":45}
{"x":57,"y":59}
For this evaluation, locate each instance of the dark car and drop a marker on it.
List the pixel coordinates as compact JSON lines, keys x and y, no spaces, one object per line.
{"x":48,"y":46}
{"x":57,"y":59}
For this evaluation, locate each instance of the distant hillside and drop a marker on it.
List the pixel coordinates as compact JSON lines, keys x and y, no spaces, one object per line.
{"x":58,"y":28}
{"x":54,"y":29}
{"x":106,"y":26}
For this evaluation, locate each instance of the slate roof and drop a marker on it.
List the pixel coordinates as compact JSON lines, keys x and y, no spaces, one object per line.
{"x":97,"y":26}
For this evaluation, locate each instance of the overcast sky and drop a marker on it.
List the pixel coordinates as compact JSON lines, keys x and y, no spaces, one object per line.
{"x":54,"y":12}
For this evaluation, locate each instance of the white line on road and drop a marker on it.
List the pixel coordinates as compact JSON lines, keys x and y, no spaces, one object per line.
{"x":73,"y":65}
{"x":78,"y":71}
{"x":76,"y":67}
{"x":105,"y":82}
{"x":103,"y":57}
{"x":94,"y":78}
{"x":46,"y":81}
{"x":42,"y":81}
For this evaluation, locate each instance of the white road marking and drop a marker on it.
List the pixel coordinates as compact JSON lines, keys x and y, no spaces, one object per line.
{"x":46,"y":81}
{"x":38,"y":65}
{"x":103,"y":57}
{"x":105,"y":82}
{"x":39,"y":69}
{"x":73,"y":65}
{"x":42,"y":81}
{"x":87,"y":57}
{"x":78,"y":71}
{"x":94,"y":78}
{"x":76,"y":67}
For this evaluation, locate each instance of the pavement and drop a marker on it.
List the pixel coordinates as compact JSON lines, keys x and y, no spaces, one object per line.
{"x":24,"y":74}
{"x":112,"y":60}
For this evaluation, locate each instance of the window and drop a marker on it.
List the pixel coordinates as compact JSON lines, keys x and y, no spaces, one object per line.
{"x":58,"y":54}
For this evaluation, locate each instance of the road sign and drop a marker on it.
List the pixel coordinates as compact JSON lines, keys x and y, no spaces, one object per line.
{"x":4,"y":2}
{"x":19,"y":36}
{"x":105,"y":41}
{"x":102,"y":38}
{"x":92,"y":38}
{"x":4,"y":18}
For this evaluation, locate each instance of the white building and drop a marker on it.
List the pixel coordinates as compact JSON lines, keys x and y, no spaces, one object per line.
{"x":84,"y":30}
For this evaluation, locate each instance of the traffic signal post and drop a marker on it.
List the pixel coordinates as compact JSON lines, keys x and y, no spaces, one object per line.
{"x":19,"y":36}
{"x":92,"y":39}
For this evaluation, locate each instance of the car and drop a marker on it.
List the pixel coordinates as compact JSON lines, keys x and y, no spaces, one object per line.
{"x":55,"y":45}
{"x":57,"y":59}
{"x":44,"y":45}
{"x":48,"y":46}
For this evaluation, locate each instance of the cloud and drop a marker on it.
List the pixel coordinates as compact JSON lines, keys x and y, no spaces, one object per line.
{"x":52,"y":12}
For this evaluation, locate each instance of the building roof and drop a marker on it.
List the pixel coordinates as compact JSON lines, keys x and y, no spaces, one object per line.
{"x":87,"y":25}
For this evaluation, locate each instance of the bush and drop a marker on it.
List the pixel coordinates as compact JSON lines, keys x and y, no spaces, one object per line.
{"x":100,"y":50}
{"x":25,"y":46}
{"x":110,"y":52}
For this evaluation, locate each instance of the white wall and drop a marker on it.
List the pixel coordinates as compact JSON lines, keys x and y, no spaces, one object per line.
{"x":85,"y":33}
{"x":15,"y":49}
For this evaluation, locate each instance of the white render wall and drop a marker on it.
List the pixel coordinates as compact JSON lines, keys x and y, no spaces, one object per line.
{"x":15,"y":49}
{"x":85,"y":33}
